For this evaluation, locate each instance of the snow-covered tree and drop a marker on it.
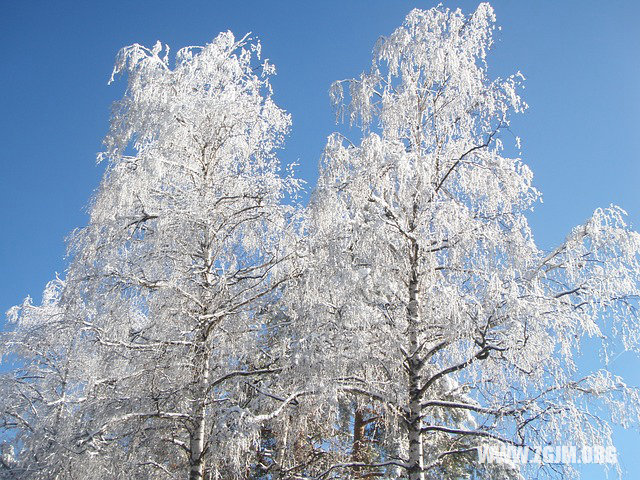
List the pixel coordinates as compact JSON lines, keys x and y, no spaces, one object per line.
{"x":41,"y":395}
{"x":425,"y":297}
{"x":170,"y":283}
{"x":194,"y":335}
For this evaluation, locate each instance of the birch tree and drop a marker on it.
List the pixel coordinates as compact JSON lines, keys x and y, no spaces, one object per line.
{"x":193,"y":336}
{"x":426,"y":296}
{"x":171,"y":281}
{"x":40,"y":396}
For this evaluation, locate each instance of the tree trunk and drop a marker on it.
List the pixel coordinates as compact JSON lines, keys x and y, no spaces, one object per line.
{"x":201,"y":359}
{"x":358,"y":453}
{"x":197,"y":435}
{"x":359,"y":425}
{"x":416,"y":453}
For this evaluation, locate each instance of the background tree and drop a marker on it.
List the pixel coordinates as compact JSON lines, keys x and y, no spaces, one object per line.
{"x":41,"y":397}
{"x":426,"y":295}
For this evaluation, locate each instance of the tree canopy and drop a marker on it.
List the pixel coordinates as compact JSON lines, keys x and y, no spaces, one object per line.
{"x":210,"y":327}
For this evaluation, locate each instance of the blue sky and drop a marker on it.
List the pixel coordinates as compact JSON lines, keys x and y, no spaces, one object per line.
{"x":580,"y":135}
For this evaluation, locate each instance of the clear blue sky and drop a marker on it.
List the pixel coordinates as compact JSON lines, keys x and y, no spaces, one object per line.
{"x":581,"y":135}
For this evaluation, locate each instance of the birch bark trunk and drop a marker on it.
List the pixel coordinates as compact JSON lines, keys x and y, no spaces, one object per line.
{"x":416,"y":453}
{"x":197,"y":435}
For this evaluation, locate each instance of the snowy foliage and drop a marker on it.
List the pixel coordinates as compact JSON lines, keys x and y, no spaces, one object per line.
{"x":206,"y":328}
{"x":425,"y":295}
{"x":186,"y":248}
